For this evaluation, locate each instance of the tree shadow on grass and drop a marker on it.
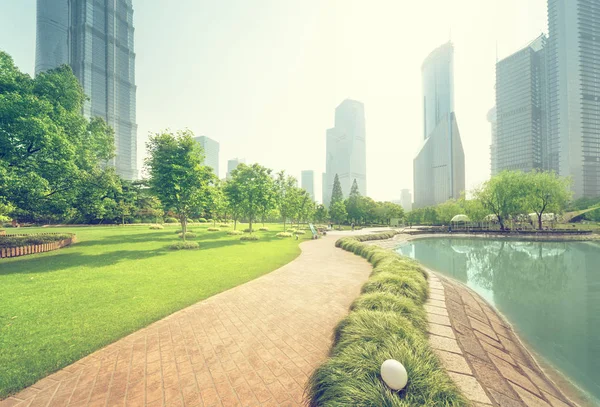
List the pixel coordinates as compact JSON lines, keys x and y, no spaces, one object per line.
{"x":66,"y":260}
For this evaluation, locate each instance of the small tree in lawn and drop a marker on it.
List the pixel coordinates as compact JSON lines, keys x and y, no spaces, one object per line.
{"x":337,"y":212}
{"x":286,"y":196}
{"x":253,"y":184}
{"x":504,"y":195}
{"x":336,"y":192}
{"x":234,"y":200}
{"x":217,"y":201}
{"x":177,"y":175}
{"x":321,"y":214}
{"x":546,"y":192}
{"x":353,"y":202}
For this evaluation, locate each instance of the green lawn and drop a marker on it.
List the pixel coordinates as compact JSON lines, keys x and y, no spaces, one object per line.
{"x":60,"y":306}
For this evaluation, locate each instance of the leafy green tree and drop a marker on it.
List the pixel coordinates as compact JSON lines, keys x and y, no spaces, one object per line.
{"x":234,"y":200}
{"x":287,"y":196}
{"x":368,"y":209}
{"x":504,"y":195}
{"x":546,"y":192}
{"x":253,"y":184}
{"x":177,"y":174}
{"x":321,"y":214}
{"x":336,"y":193}
{"x":306,"y":206}
{"x":217,"y":201}
{"x":337,"y":212}
{"x":353,"y":203}
{"x":49,"y":150}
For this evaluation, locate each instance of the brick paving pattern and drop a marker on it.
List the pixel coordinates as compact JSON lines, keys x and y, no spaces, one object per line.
{"x":254,"y":345}
{"x":480,"y":351}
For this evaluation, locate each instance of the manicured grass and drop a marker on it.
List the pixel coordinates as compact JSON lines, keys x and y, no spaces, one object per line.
{"x":387,"y":321}
{"x":59,"y":306}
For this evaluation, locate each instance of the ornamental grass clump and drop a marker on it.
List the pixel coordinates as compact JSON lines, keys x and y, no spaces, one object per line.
{"x":388,"y":321}
{"x":202,"y":220}
{"x":235,"y":233}
{"x":223,"y":225}
{"x":157,"y":227}
{"x":184,"y":246}
{"x":264,"y":229}
{"x":171,"y":220}
{"x":283,"y":234}
{"x":249,"y":238}
{"x":188,"y":235}
{"x":300,"y":232}
{"x":213,"y":229}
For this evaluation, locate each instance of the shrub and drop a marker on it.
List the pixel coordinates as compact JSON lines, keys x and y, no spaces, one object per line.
{"x":213,"y":229}
{"x":180,"y":231}
{"x":223,"y":225}
{"x":157,"y":227}
{"x":247,"y":230}
{"x":235,"y":233}
{"x":249,"y":237}
{"x":283,"y":234}
{"x":388,"y":321}
{"x":188,"y":235}
{"x":202,"y":220}
{"x":171,"y":220}
{"x":300,"y":232}
{"x":291,"y":231}
{"x":7,"y":241}
{"x":184,"y":246}
{"x":264,"y":229}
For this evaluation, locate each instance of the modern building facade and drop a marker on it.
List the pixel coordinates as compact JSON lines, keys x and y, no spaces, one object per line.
{"x":521,"y":105}
{"x":96,"y":38}
{"x":439,"y":167}
{"x":346,"y":150}
{"x":211,"y":152}
{"x":232,"y":165}
{"x":406,"y":200}
{"x":492,"y":118}
{"x":308,"y":182}
{"x":574,"y":93}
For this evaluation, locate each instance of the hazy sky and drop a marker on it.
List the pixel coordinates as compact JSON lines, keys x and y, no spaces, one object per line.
{"x":263,"y":77}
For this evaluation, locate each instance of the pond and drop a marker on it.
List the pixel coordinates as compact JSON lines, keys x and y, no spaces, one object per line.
{"x":550,"y":292}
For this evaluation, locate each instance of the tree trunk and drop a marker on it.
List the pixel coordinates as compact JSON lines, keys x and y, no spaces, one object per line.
{"x":284,"y":223}
{"x":183,"y":227}
{"x":250,"y":224}
{"x":234,"y":223}
{"x":540,"y":221}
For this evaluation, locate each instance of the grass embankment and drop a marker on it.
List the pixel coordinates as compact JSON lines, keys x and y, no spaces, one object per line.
{"x":388,"y":321}
{"x":59,"y":306}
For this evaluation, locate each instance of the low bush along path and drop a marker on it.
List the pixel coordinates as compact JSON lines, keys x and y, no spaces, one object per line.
{"x":255,"y":344}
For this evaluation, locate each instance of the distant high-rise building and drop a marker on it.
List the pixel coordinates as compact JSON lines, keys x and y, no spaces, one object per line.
{"x":406,"y":200}
{"x":323,"y":189}
{"x":95,"y":37}
{"x":574,"y":93}
{"x":492,"y":118}
{"x":521,"y":110}
{"x":439,"y":168}
{"x":232,"y":165}
{"x":346,"y":151}
{"x":308,"y":183}
{"x":211,"y":152}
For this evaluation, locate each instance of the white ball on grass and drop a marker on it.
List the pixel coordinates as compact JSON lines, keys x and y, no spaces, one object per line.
{"x":394,"y":374}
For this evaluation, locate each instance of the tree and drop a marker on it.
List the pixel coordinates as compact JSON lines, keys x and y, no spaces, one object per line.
{"x":306,"y":206}
{"x":353,"y":203}
{"x":217,"y":200}
{"x":546,"y":191}
{"x":253,"y":184}
{"x":338,"y":213}
{"x":503,"y":195}
{"x":321,"y":213}
{"x":49,"y":150}
{"x":336,"y":193}
{"x":234,"y":200}
{"x":177,"y":175}
{"x":287,"y":196}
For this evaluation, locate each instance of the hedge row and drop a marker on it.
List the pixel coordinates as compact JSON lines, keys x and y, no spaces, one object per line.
{"x":7,"y":241}
{"x":387,"y":321}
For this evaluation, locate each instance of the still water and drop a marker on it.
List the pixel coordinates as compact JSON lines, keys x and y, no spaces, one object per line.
{"x":550,"y":292}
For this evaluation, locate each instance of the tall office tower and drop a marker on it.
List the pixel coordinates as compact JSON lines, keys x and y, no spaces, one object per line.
{"x":95,"y":37}
{"x":574,"y":93}
{"x":406,"y":200}
{"x":521,"y":109}
{"x":346,"y":152}
{"x":323,"y":189}
{"x":439,"y":167}
{"x":232,"y":165}
{"x":308,"y":183}
{"x":492,"y":118}
{"x":211,"y":152}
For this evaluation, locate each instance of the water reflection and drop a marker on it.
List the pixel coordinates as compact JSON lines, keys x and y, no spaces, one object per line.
{"x":549,"y":291}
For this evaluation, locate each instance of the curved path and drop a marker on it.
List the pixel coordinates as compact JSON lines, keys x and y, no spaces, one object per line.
{"x":253,"y":345}
{"x":480,"y":350}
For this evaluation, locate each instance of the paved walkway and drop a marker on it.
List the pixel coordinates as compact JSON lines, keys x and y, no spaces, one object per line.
{"x":253,"y":345}
{"x":480,"y":351}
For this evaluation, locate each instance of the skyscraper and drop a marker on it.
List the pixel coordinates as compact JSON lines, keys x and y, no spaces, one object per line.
{"x":406,"y":200}
{"x":308,"y":182}
{"x":574,"y":93}
{"x":95,"y":37}
{"x":346,"y":150}
{"x":211,"y":152}
{"x":232,"y":165}
{"x":521,"y":110}
{"x":492,"y":118}
{"x":439,"y":167}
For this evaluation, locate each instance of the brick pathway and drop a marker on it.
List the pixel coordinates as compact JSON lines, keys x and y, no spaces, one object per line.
{"x":253,"y":345}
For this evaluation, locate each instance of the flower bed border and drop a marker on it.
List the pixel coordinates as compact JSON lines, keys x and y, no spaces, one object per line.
{"x":10,"y":252}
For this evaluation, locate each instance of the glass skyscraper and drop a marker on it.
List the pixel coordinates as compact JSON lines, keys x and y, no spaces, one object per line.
{"x":439,"y":168}
{"x":211,"y":152}
{"x":573,"y":58}
{"x":307,"y":179}
{"x":95,"y":37}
